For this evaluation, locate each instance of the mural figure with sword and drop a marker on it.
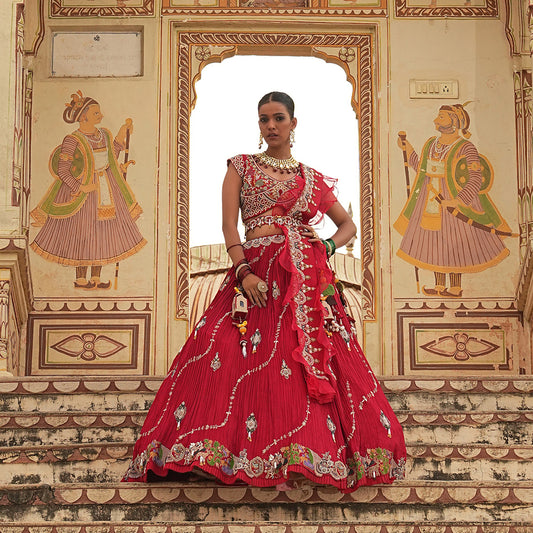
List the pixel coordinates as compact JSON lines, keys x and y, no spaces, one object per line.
{"x":449,"y":223}
{"x":88,"y":215}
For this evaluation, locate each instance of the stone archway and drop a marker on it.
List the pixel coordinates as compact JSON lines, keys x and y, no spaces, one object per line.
{"x":354,"y":52}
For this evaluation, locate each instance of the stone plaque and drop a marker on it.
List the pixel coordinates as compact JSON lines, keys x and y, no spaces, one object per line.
{"x":97,"y":54}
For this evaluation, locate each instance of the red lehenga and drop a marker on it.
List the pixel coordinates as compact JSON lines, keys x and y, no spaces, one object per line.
{"x":295,"y":393}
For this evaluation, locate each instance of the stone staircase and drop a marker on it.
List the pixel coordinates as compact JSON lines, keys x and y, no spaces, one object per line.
{"x":65,"y":443}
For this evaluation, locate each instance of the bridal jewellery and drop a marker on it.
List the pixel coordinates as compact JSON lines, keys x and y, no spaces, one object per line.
{"x":283,"y":165}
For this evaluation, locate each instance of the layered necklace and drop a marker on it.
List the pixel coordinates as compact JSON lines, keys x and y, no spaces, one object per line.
{"x":283,"y":165}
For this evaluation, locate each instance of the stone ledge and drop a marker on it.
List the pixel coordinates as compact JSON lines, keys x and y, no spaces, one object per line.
{"x":390,"y":384}
{"x":135,"y":418}
{"x":405,"y":492}
{"x":268,"y":527}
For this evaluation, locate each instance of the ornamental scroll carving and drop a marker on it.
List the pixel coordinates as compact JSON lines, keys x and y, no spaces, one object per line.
{"x":114,"y":8}
{"x":341,"y":49}
{"x":4,"y":319}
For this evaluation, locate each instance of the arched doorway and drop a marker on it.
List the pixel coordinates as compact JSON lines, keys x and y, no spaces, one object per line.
{"x":353,"y":52}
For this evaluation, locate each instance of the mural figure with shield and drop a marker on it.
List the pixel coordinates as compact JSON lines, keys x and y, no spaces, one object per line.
{"x":449,"y":223}
{"x":88,"y":215}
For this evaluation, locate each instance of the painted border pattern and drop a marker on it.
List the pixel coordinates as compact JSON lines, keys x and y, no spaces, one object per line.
{"x":402,"y":9}
{"x":363,"y":42}
{"x":47,"y":385}
{"x":336,"y":11}
{"x":57,"y":9}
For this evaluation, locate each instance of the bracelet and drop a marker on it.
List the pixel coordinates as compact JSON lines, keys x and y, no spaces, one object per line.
{"x":233,"y":246}
{"x":330,"y":246}
{"x":244,"y":272}
{"x":242,"y":264}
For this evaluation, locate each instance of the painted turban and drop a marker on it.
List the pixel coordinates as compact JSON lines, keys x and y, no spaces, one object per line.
{"x":77,"y":106}
{"x":459,"y":116}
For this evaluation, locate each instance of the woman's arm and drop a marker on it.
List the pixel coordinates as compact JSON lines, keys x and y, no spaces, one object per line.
{"x":346,"y":228}
{"x":231,"y":189}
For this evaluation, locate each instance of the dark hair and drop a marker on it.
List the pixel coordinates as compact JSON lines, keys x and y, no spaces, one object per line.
{"x":282,"y":98}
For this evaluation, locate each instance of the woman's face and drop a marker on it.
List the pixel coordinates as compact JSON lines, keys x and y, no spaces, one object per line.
{"x":93,"y":115}
{"x":275,"y":124}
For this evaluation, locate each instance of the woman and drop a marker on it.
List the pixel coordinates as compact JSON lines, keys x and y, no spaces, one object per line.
{"x":272,"y":383}
{"x":88,"y":214}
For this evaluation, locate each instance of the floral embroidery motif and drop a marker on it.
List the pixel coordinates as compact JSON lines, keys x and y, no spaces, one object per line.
{"x":275,"y":290}
{"x":285,"y":370}
{"x":180,"y":413}
{"x":385,"y":423}
{"x":255,"y":340}
{"x":199,"y":325}
{"x":377,"y":462}
{"x":251,"y":425}
{"x":215,"y":363}
{"x":332,"y":427}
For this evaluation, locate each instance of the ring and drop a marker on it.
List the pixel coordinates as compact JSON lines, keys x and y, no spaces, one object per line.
{"x":262,"y":286}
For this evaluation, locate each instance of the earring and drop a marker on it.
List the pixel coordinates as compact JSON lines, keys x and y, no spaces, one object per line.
{"x":260,"y":141}
{"x":292,"y":138}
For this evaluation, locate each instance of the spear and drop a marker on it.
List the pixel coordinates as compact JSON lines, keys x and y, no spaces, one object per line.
{"x":124,"y":168}
{"x":403,"y":137}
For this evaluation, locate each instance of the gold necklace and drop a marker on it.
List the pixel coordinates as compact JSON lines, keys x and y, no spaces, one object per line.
{"x":283,"y":165}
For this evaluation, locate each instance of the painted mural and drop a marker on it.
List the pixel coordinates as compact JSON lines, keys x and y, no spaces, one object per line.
{"x":87,"y":217}
{"x":450,"y":225}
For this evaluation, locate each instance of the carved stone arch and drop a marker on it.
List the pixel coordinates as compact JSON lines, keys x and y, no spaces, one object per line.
{"x":354,"y":52}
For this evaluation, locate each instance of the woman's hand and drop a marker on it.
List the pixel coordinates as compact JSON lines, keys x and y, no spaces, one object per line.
{"x":250,"y":285}
{"x":310,"y":233}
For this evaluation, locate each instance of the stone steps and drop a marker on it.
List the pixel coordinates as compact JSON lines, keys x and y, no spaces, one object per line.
{"x":136,"y":393}
{"x":498,"y":428}
{"x":404,"y":502}
{"x":65,"y":443}
{"x":243,"y":526}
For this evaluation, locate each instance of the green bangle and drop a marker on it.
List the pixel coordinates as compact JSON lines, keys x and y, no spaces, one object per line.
{"x":330,"y":246}
{"x":327,"y":246}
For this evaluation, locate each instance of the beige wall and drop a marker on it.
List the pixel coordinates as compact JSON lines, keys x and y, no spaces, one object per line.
{"x":473,"y":51}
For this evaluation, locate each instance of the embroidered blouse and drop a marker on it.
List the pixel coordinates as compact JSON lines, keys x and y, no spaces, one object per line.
{"x":261,"y":193}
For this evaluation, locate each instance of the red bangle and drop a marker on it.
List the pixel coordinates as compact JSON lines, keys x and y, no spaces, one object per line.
{"x":244,"y":272}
